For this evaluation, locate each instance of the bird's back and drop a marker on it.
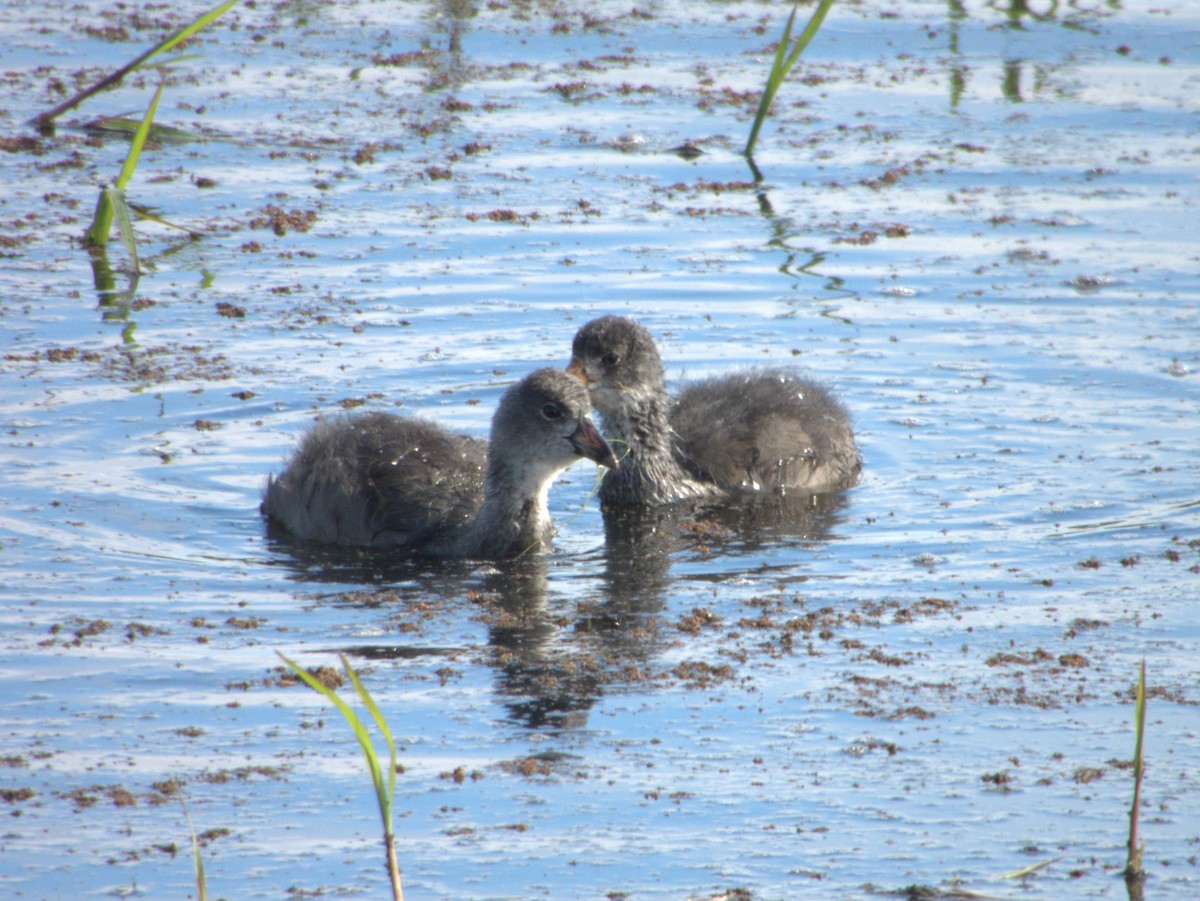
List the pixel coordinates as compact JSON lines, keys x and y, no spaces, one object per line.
{"x":378,"y":480}
{"x":766,"y":430}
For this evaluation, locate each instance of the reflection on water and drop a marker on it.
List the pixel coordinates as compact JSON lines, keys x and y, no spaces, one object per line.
{"x":543,"y":681}
{"x":1018,"y":75}
{"x":551,"y":669}
{"x":552,"y":674}
{"x":1157,"y":515}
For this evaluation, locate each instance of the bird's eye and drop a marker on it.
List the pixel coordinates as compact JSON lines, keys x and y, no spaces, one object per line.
{"x":551,"y":411}
{"x":610,"y":359}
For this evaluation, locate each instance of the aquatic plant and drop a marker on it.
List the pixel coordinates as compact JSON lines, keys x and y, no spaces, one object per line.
{"x":197,"y":860}
{"x":45,"y":121}
{"x":1134,"y":874}
{"x":782,"y":64}
{"x":111,"y":203}
{"x":384,"y":793}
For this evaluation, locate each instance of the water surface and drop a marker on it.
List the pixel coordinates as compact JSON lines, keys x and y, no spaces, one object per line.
{"x":977,"y":225}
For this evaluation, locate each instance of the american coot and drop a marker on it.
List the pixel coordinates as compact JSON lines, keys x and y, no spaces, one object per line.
{"x":384,"y":481}
{"x":761,"y":430}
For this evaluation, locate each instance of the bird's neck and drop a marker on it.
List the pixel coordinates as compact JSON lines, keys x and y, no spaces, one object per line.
{"x":515,"y":514}
{"x":640,"y":429}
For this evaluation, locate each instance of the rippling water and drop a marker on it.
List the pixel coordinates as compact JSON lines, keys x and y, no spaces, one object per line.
{"x":977,"y":225}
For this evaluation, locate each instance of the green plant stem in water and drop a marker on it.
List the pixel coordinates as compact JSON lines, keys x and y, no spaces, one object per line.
{"x":384,"y":793}
{"x":783,"y":63}
{"x":111,"y":204}
{"x":1133,"y":863}
{"x":197,"y":860}
{"x":46,"y":120}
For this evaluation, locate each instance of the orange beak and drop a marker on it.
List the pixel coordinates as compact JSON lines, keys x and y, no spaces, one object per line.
{"x":577,"y":369}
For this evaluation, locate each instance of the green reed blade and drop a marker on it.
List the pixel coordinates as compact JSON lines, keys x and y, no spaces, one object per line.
{"x":139,"y":140}
{"x":381,"y":722}
{"x":360,"y":733}
{"x":44,"y":120}
{"x":125,"y":226}
{"x":1133,"y":860}
{"x":187,"y":31}
{"x":783,"y":63}
{"x":111,"y":205}
{"x":384,"y":796}
{"x":147,"y":213}
{"x":124,"y":126}
{"x":197,"y":860}
{"x":102,"y":219}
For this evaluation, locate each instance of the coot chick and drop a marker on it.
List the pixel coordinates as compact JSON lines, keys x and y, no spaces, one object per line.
{"x":761,"y":430}
{"x":384,"y":481}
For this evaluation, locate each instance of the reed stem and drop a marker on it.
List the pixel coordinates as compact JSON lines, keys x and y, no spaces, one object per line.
{"x":45,"y":121}
{"x":1134,"y":873}
{"x":782,"y":64}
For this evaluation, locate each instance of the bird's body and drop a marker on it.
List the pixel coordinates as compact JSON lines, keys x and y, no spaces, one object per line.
{"x":765,"y":430}
{"x":383,"y":481}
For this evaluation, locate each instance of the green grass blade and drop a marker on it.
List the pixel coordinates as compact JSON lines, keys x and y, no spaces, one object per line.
{"x":775,"y":76}
{"x":385,"y":797}
{"x":125,"y":226}
{"x":111,"y":205}
{"x":1140,"y":718}
{"x":126,"y":127}
{"x":806,"y":36}
{"x":198,"y":863}
{"x":381,"y":722}
{"x":102,"y":219}
{"x":45,"y":119}
{"x":1026,"y":872}
{"x":188,"y":30}
{"x":1133,"y":860}
{"x":783,"y":63}
{"x":145,"y":212}
{"x":139,"y":141}
{"x":360,"y":732}
{"x":774,"y":80}
{"x":197,"y":860}
{"x":316,"y":686}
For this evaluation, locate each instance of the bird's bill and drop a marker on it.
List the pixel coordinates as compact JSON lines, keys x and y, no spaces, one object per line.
{"x":588,"y":443}
{"x":577,"y":369}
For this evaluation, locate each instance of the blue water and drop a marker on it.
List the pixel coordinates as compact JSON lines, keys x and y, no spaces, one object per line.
{"x":981,"y":235}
